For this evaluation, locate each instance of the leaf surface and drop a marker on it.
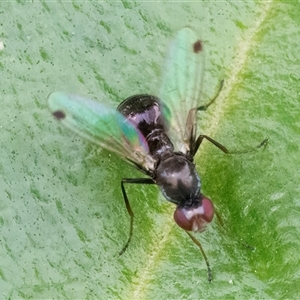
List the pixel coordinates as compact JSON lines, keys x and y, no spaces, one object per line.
{"x":62,"y":216}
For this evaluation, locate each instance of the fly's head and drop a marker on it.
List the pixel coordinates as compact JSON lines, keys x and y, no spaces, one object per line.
{"x":195,"y":217}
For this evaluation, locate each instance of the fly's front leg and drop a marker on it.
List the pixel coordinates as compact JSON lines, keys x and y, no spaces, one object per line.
{"x":220,"y":221}
{"x":127,"y":204}
{"x":209,"y":271}
{"x":201,"y":137}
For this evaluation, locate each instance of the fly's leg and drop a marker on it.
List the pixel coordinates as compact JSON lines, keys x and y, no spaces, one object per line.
{"x":127,"y":204}
{"x":220,"y":221}
{"x":196,"y":242}
{"x":204,"y":107}
{"x":217,"y":144}
{"x":201,"y":137}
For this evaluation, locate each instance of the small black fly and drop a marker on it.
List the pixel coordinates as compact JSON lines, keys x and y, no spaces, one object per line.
{"x":158,"y":136}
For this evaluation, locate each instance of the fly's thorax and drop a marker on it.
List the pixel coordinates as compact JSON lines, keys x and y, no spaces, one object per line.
{"x":178,"y":180}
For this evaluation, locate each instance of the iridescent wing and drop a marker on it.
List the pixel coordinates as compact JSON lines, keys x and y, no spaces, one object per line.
{"x":102,"y":125}
{"x":181,"y":86}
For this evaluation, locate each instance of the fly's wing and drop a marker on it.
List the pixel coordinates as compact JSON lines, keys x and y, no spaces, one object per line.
{"x":102,"y":125}
{"x":181,"y":86}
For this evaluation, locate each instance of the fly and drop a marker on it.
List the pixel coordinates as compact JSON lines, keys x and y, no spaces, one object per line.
{"x":157,"y":135}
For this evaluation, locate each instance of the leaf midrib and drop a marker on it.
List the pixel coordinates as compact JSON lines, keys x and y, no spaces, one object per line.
{"x":139,"y":291}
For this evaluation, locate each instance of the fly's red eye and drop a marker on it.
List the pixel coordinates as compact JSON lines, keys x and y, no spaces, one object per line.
{"x":195,"y":218}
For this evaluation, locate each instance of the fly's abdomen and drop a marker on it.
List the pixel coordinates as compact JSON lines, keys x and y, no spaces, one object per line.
{"x":144,"y":111}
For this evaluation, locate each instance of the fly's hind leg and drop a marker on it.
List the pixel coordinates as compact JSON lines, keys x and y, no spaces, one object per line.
{"x":201,"y":137}
{"x":204,"y":107}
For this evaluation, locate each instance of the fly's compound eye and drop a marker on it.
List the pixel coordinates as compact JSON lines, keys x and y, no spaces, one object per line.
{"x":195,"y":218}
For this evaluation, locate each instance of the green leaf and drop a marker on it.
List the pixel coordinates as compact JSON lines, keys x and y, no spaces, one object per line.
{"x":62,"y":216}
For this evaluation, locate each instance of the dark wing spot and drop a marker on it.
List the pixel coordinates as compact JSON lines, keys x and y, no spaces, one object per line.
{"x":59,"y":114}
{"x":197,"y":46}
